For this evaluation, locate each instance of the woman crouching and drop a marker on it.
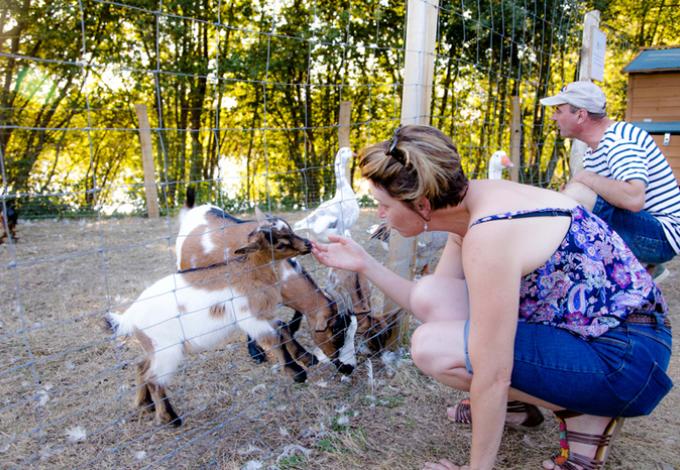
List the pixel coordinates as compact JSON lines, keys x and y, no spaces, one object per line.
{"x":534,"y":299}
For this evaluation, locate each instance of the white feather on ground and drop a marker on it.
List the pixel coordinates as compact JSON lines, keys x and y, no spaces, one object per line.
{"x":337,"y":215}
{"x":253,"y":465}
{"x":293,"y":449}
{"x":76,"y":434}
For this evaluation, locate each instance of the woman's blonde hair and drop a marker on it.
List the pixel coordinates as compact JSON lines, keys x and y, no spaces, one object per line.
{"x":417,"y":161}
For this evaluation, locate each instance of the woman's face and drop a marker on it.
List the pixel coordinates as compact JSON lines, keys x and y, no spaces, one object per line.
{"x":400,"y":217}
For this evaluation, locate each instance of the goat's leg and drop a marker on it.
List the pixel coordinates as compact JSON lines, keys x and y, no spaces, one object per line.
{"x":165,"y":414}
{"x":143,"y":399}
{"x":295,"y":349}
{"x":256,"y":351}
{"x":364,"y":323}
{"x":383,"y":331}
{"x":294,"y":323}
{"x":162,"y":366}
{"x":273,"y":343}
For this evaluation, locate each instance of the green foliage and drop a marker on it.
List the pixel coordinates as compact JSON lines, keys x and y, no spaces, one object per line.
{"x":294,"y":461}
{"x":327,"y":445}
{"x":250,"y":94}
{"x":367,"y":201}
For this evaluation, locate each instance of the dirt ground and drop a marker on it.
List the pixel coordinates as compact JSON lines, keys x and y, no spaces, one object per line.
{"x":66,"y":387}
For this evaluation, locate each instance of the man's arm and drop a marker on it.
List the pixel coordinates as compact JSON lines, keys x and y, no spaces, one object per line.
{"x":628,"y":195}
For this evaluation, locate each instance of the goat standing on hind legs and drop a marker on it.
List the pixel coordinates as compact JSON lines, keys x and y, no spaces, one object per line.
{"x":198,"y":308}
{"x":202,"y":241}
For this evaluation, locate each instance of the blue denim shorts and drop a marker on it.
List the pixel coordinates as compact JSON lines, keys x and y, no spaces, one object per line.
{"x":621,"y":373}
{"x":641,"y":231}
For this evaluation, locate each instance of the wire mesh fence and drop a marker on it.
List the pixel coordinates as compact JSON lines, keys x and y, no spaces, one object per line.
{"x":243,"y":99}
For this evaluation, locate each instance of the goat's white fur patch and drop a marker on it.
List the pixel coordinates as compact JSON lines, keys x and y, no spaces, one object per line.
{"x":189,"y":221}
{"x":156,"y":313}
{"x":279,"y":224}
{"x":320,"y":356}
{"x":347,"y":353}
{"x":286,"y":271}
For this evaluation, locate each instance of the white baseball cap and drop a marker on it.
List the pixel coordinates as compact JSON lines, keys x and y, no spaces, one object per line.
{"x":583,"y":94}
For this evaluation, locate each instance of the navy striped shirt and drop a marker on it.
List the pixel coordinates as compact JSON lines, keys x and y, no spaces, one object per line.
{"x":628,"y":153}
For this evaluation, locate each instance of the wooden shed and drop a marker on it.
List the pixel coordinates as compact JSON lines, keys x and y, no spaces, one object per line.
{"x":654,"y":99}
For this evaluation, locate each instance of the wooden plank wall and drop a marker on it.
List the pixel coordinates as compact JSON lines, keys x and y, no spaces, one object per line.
{"x":671,"y":152}
{"x":654,"y":96}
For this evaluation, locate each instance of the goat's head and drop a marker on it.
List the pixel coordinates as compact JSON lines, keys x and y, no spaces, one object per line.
{"x":275,"y":238}
{"x":334,"y":331}
{"x":350,"y":313}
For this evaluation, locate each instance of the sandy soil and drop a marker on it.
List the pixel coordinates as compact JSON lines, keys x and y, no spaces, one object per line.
{"x":66,"y":387}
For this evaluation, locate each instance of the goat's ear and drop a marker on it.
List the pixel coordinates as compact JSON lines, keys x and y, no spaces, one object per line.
{"x":248,"y":248}
{"x":320,"y":323}
{"x":259,"y":215}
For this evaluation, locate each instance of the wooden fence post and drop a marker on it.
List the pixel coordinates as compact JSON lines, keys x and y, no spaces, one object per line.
{"x":515,"y":138}
{"x":591,"y":20}
{"x":421,"y":29}
{"x":344,"y":124}
{"x":147,"y":162}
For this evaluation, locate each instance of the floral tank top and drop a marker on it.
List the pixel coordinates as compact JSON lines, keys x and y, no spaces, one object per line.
{"x":591,"y":283}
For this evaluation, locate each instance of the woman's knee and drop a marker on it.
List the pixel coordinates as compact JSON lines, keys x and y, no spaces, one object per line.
{"x":421,"y":351}
{"x":437,"y":356}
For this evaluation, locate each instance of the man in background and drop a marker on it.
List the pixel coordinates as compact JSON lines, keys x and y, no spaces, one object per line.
{"x":626,"y":180}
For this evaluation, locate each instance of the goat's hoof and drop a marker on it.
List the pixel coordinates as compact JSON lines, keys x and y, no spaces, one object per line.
{"x":300,"y":377}
{"x":147,"y":407}
{"x":259,"y":358}
{"x":175,"y":422}
{"x":346,"y":369}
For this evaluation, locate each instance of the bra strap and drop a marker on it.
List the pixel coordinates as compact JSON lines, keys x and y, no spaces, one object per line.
{"x":525,"y":214}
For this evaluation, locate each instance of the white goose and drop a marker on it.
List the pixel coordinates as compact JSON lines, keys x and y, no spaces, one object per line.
{"x":498,"y":161}
{"x":338,"y":214}
{"x":430,"y":243}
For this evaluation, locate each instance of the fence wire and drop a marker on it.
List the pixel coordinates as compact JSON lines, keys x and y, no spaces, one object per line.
{"x":243,"y":99}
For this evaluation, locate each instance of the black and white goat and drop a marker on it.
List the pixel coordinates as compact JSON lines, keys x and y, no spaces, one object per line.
{"x":201,"y":242}
{"x":354,"y":290}
{"x":199,"y":307}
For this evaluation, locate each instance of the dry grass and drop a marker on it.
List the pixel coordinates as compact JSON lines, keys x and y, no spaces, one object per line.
{"x":60,"y":371}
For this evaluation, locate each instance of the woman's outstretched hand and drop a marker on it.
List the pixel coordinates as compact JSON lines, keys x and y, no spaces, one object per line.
{"x":341,"y":252}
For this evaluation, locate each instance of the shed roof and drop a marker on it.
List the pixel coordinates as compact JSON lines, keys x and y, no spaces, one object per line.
{"x":655,"y":60}
{"x":658,"y":127}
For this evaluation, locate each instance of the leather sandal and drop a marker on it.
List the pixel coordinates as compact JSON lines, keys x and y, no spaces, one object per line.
{"x":567,"y":460}
{"x":463,"y":414}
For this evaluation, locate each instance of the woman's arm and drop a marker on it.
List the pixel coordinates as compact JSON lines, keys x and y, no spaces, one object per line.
{"x":493,"y":276}
{"x":345,"y":253}
{"x":451,"y":262}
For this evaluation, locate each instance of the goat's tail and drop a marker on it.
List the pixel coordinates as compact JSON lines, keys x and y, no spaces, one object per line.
{"x":189,"y":201}
{"x":119,"y":324}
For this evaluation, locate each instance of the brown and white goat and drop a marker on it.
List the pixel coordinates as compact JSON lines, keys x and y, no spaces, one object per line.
{"x":202,"y":242}
{"x":199,"y":307}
